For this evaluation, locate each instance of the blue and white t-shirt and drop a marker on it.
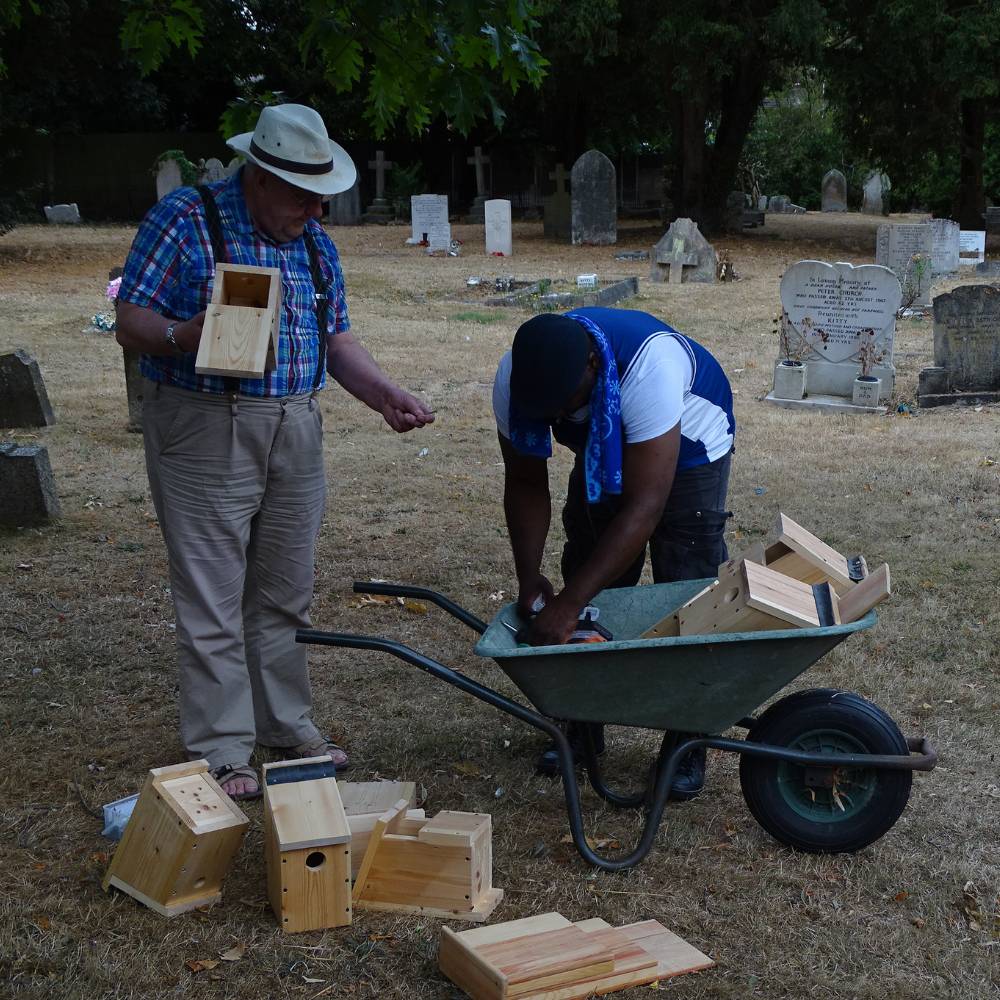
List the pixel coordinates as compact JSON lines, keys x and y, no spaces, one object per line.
{"x":665,"y":377}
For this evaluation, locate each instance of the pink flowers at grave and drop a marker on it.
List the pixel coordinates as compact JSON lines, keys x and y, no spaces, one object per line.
{"x":112,"y":289}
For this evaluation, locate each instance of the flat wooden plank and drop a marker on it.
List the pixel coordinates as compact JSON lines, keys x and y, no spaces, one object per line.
{"x":775,"y":594}
{"x":362,"y":826}
{"x":307,"y":813}
{"x":234,"y":342}
{"x":807,"y":545}
{"x":670,"y":624}
{"x":460,"y":963}
{"x":481,"y":910}
{"x":555,"y":958}
{"x":511,"y":930}
{"x":863,"y":596}
{"x":448,"y":828}
{"x":361,"y":797}
{"x":673,"y":954}
{"x":374,"y":843}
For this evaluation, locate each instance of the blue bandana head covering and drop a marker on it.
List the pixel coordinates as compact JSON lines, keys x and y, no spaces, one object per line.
{"x":603,"y":456}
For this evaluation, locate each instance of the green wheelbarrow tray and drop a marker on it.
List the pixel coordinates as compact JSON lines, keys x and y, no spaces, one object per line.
{"x":685,"y":685}
{"x":696,"y":683}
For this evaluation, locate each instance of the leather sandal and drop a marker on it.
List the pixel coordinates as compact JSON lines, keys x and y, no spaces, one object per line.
{"x":227,"y":774}
{"x":318,"y":746}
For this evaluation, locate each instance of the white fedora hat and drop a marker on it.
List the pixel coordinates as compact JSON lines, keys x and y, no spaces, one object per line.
{"x":290,"y":141}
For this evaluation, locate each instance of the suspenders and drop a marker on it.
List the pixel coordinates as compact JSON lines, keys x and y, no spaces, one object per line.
{"x":214,"y":223}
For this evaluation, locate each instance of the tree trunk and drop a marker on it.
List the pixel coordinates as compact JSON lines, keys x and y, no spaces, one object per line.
{"x":689,"y":157}
{"x":971,"y":198}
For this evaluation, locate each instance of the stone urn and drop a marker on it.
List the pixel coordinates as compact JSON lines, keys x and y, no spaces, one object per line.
{"x":866,"y":390}
{"x":789,"y":379}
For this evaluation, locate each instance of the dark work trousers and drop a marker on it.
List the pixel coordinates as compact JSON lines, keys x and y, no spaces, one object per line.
{"x":688,"y":542}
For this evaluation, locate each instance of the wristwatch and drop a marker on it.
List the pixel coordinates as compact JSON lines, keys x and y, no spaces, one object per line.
{"x":171,"y":340}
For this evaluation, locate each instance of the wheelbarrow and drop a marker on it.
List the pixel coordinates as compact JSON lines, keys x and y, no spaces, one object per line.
{"x":821,"y":770}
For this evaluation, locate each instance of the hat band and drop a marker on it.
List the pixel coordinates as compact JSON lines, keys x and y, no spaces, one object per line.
{"x":291,"y":165}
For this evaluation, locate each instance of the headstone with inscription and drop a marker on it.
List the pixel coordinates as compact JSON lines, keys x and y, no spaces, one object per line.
{"x":380,"y":211}
{"x":833,"y":191}
{"x":557,"y":208}
{"x":23,"y":399}
{"x":683,"y":254}
{"x":907,"y":249}
{"x":429,"y":217}
{"x":27,"y":489}
{"x":62,"y":215}
{"x":498,"y":228}
{"x":593,"y":200}
{"x":832,"y":310}
{"x":345,"y":208}
{"x":945,"y":245}
{"x":876,"y":193}
{"x":966,"y":348}
{"x":168,"y":177}
{"x":971,"y":246}
{"x":213,"y":170}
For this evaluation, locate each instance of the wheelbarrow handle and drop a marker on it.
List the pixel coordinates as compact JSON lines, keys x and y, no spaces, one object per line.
{"x":423,"y":594}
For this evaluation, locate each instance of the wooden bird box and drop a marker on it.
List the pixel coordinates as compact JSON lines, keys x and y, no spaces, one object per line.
{"x":548,"y":957}
{"x":307,"y":845}
{"x":179,"y":841}
{"x":441,"y":866}
{"x":242,"y":322}
{"x":365,"y":801}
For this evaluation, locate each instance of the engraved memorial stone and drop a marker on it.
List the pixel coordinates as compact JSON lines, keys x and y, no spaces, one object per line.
{"x":23,"y":399}
{"x":429,"y":218}
{"x":498,"y":227}
{"x":594,"y":200}
{"x":27,"y":488}
{"x":945,"y":245}
{"x":908,"y":251}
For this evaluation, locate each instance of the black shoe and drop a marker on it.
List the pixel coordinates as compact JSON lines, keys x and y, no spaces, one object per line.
{"x":548,"y":760}
{"x":689,"y":778}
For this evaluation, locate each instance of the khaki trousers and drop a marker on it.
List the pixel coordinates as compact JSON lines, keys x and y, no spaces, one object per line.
{"x":239,"y":488}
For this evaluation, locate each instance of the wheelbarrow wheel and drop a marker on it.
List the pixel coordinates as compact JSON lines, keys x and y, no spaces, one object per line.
{"x":825,"y":810}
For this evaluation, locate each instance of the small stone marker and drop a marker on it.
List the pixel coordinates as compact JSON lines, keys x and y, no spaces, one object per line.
{"x":907,"y":249}
{"x":345,"y":208}
{"x":27,"y":488}
{"x":945,"y":244}
{"x":62,"y":215}
{"x":834,"y":191}
{"x":966,"y":348}
{"x":556,"y":224}
{"x":876,"y":190}
{"x":971,"y":246}
{"x":429,"y":217}
{"x":23,"y":399}
{"x":683,"y":254}
{"x":477,"y":213}
{"x":593,"y":201}
{"x":379,"y":211}
{"x":168,"y":177}
{"x":498,"y":227}
{"x":829,"y":308}
{"x":780,"y":204}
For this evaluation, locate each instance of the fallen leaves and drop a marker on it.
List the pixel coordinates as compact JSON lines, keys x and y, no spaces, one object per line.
{"x":594,"y":843}
{"x":233,"y":954}
{"x":197,"y":965}
{"x":970,"y":908}
{"x":373,"y":600}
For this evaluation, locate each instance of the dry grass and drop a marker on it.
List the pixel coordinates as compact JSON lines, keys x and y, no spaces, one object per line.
{"x":84,"y":604}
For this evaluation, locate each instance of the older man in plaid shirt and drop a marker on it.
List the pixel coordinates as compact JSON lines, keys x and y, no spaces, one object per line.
{"x":236,"y":466}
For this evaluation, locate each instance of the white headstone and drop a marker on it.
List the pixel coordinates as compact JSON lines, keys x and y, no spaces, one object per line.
{"x":876,"y":187}
{"x":212,"y":171}
{"x":62,"y":215}
{"x":971,"y":246}
{"x":833,"y":191}
{"x":168,"y":177}
{"x":907,"y":249}
{"x":498,"y":227}
{"x":234,"y":164}
{"x":429,"y":216}
{"x":946,"y":237}
{"x":831,"y":308}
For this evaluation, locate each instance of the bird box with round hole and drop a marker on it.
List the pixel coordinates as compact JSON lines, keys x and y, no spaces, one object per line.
{"x":307,"y":844}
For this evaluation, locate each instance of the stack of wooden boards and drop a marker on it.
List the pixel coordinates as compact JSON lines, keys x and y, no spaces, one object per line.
{"x":185,"y":831}
{"x":549,"y":958}
{"x":794,"y":579}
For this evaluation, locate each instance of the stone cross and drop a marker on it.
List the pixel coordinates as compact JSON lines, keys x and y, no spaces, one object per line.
{"x":480,"y":161}
{"x":677,"y":259}
{"x":380,"y":165}
{"x":560,"y":176}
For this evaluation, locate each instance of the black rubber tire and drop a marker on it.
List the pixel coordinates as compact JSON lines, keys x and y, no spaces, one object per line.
{"x":776,"y":793}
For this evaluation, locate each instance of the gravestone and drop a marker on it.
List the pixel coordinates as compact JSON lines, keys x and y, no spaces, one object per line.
{"x":233,"y":165}
{"x":876,"y":193}
{"x":966,"y":348}
{"x":834,"y":191}
{"x":23,"y":399}
{"x":345,"y":208}
{"x":168,"y":177}
{"x":134,"y":383}
{"x":732,"y":221}
{"x":971,"y":246}
{"x":593,"y":201}
{"x":379,"y":211}
{"x":27,"y":488}
{"x":498,"y":227}
{"x":991,"y":218}
{"x":779,"y":204}
{"x":213,"y":170}
{"x":429,"y":217}
{"x":477,"y":213}
{"x":683,"y":254}
{"x":556,"y":224}
{"x":907,"y":249}
{"x":830,"y":309}
{"x":62,"y":215}
{"x":945,"y":245}
{"x":762,"y":203}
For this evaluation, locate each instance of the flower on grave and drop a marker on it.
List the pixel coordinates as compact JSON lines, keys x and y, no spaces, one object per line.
{"x":111,"y":293}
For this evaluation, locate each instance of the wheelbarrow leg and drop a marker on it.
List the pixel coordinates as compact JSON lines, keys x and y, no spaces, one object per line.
{"x":617,"y":799}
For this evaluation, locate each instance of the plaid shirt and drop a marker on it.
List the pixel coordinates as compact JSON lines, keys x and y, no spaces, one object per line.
{"x":170,"y":270}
